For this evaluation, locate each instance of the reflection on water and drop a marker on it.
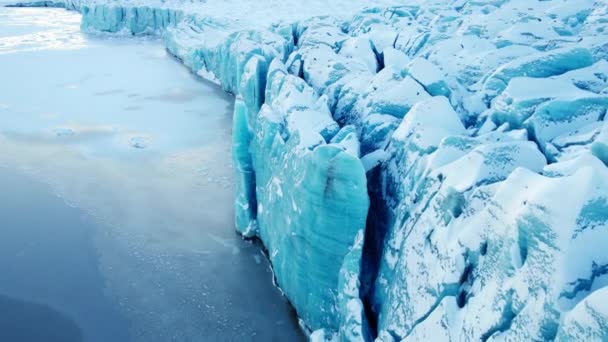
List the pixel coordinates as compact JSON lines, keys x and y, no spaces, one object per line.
{"x":53,"y":327}
{"x":116,"y":208}
{"x":49,"y":267}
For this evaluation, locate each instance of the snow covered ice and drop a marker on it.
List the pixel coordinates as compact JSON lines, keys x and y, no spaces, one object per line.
{"x":435,"y":170}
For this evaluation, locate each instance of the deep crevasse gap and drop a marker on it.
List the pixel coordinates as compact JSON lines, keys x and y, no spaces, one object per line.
{"x":481,"y":127}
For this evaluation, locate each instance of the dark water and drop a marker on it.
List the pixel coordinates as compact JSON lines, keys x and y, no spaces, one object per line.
{"x":51,"y":287}
{"x":55,"y":326}
{"x":116,"y":190}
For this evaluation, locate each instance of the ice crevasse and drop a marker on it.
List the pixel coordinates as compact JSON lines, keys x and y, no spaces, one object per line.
{"x":429,"y":171}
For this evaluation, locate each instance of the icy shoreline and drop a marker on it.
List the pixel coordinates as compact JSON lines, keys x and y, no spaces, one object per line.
{"x":475,"y":131}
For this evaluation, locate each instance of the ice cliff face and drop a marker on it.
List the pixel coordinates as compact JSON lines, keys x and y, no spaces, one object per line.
{"x":431,"y":171}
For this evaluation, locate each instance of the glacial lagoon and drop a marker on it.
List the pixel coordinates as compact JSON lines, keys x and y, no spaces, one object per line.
{"x":116,"y":219}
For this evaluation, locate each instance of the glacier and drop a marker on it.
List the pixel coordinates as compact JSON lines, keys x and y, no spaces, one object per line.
{"x":429,"y":171}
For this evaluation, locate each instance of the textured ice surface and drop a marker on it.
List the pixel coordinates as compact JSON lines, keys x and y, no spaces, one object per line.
{"x":475,"y":132}
{"x":310,"y":191}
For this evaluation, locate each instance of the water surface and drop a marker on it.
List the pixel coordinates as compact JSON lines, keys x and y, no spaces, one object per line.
{"x":116,"y":219}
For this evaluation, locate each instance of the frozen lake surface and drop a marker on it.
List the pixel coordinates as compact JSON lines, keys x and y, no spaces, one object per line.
{"x":116,"y":219}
